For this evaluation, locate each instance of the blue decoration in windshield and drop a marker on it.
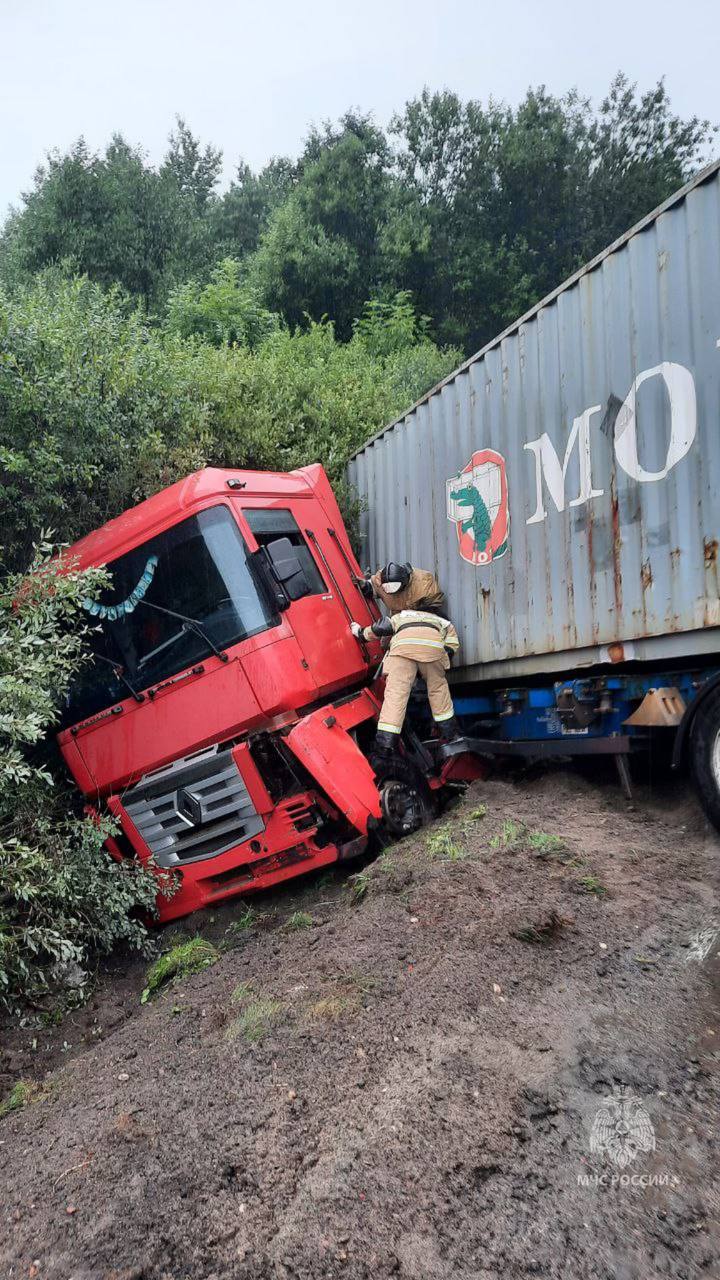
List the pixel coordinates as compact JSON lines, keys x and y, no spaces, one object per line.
{"x":114,"y":611}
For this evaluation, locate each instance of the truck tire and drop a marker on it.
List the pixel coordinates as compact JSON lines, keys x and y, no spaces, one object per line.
{"x":405,"y":796}
{"x":705,"y":756}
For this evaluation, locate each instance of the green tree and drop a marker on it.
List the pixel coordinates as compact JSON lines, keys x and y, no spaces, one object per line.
{"x":116,"y":218}
{"x":477,"y":209}
{"x":320,"y":255}
{"x":240,"y":216}
{"x":499,"y":205}
{"x":301,"y":271}
{"x":642,"y":152}
{"x":97,"y":410}
{"x":196,"y":171}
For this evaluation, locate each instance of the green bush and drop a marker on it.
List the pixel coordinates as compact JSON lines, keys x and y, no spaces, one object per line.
{"x":63,"y":900}
{"x":98,"y":409}
{"x":226,"y":312}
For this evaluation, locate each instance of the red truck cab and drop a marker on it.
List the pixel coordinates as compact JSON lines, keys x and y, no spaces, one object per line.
{"x":226,"y":716}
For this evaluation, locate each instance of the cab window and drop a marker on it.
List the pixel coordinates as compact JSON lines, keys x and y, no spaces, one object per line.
{"x":268,"y":525}
{"x":172,"y":601}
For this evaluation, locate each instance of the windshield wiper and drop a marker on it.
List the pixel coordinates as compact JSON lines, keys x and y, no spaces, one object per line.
{"x":189,"y":624}
{"x":119,"y":673}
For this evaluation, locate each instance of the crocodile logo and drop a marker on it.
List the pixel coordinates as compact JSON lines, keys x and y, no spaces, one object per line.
{"x":477,"y":504}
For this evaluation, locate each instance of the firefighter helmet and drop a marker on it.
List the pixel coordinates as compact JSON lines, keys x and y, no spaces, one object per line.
{"x":395,"y":577}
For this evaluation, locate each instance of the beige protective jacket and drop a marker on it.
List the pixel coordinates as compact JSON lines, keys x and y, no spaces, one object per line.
{"x":420,"y":636}
{"x":422,"y":591}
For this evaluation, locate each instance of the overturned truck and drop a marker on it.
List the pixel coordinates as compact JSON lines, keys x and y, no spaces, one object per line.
{"x":227,"y":717}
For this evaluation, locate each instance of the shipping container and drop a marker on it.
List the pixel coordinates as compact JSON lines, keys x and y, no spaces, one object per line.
{"x":565,"y":481}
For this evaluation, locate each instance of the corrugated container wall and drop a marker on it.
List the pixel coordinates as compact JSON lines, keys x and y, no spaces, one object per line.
{"x":565,"y":482}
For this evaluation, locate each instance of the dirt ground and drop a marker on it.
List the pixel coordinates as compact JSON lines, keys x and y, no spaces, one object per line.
{"x":414,"y":1082}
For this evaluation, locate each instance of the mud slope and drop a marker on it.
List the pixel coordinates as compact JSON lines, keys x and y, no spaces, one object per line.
{"x":407,"y":1086}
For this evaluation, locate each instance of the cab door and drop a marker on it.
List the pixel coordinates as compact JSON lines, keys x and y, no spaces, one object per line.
{"x":317,"y":614}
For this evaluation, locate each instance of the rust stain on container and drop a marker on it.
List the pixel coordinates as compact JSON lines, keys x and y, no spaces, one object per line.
{"x":710,"y":550}
{"x":617,"y":543}
{"x":646,"y":575}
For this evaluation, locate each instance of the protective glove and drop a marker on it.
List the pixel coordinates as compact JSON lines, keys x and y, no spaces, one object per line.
{"x":356,"y":630}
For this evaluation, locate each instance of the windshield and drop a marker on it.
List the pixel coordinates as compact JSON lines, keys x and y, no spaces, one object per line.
{"x":200,"y":568}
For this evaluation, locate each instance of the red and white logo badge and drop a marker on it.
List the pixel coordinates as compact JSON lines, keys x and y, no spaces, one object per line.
{"x":477,"y":504}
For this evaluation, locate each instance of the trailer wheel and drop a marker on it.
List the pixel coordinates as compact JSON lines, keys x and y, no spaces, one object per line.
{"x":705,"y":755}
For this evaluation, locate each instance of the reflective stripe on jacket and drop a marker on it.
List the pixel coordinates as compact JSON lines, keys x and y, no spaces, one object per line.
{"x":422,"y":636}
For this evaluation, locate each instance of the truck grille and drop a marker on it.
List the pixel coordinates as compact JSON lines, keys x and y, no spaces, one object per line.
{"x":194,"y":808}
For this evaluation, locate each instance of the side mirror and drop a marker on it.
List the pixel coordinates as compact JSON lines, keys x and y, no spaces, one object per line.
{"x":287,"y":568}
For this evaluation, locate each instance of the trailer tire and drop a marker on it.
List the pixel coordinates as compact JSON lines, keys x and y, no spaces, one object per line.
{"x":705,"y":755}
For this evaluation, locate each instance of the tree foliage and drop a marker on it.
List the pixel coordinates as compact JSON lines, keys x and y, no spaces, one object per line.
{"x":499,"y":205}
{"x":115,"y":218}
{"x":475,"y":209}
{"x":227,"y":311}
{"x":99,"y":408}
{"x":96,"y":409}
{"x":63,"y":901}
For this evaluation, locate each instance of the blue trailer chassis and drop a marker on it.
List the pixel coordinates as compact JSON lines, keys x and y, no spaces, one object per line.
{"x":536,"y":714}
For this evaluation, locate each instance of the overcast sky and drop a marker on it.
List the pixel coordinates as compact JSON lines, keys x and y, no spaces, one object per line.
{"x":251,"y":77}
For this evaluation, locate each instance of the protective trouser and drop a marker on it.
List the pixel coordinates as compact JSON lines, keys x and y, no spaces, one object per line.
{"x":400,"y":676}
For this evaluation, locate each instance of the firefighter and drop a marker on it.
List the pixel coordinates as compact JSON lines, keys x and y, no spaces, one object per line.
{"x":399,"y":586}
{"x":421,"y":643}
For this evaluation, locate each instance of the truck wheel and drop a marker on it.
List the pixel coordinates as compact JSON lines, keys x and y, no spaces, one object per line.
{"x":705,"y":756}
{"x":404,"y":797}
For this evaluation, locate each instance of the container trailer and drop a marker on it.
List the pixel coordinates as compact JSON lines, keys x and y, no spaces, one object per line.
{"x":564,"y":484}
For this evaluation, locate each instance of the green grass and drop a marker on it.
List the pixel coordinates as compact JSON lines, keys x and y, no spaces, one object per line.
{"x":441,"y":844}
{"x":243,"y":991}
{"x":476,"y":814}
{"x":591,"y":884}
{"x":510,"y":837}
{"x":299,"y":920}
{"x":257,"y":1014}
{"x":51,"y":1017}
{"x":546,"y":846}
{"x":179,"y":962}
{"x":342,"y":996}
{"x":238,"y":930}
{"x":21,"y":1095}
{"x":359,"y":885}
{"x":515,"y":836}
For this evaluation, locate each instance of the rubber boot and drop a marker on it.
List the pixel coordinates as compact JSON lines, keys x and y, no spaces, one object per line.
{"x":449,"y":729}
{"x":385,"y":742}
